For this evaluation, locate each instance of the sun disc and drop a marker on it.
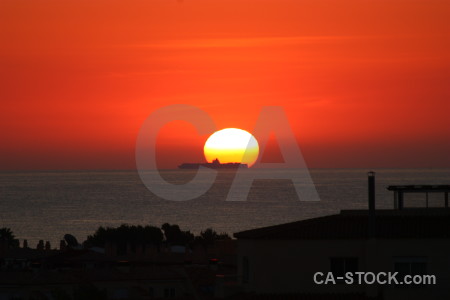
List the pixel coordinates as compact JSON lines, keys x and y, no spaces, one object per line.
{"x":232,"y":145}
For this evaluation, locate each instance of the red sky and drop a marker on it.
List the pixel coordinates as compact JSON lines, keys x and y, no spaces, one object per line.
{"x":365,"y":83}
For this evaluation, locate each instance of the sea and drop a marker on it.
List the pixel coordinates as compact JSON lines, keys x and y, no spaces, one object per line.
{"x":45,"y":205}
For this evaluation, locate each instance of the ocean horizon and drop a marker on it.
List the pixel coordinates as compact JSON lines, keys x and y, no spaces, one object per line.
{"x":45,"y":205}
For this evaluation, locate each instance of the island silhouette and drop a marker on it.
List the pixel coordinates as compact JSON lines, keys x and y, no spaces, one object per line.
{"x":215,"y":164}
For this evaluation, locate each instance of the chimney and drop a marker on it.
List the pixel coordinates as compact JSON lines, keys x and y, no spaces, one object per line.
{"x":48,"y":247}
{"x":40,"y":245}
{"x":371,"y":184}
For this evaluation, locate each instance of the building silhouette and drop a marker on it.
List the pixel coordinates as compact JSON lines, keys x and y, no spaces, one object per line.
{"x":283,"y":259}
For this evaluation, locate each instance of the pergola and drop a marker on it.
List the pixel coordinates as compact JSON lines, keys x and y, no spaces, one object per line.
{"x":400,"y":190}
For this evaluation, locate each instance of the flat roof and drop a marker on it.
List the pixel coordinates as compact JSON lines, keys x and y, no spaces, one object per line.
{"x":393,"y":224}
{"x":419,"y":188}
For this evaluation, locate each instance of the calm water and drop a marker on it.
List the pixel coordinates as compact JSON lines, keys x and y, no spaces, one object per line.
{"x":46,"y":205}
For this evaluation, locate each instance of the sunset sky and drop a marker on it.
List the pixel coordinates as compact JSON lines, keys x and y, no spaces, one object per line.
{"x":364,"y":83}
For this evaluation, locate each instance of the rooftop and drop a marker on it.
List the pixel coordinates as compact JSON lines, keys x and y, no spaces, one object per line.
{"x":353,"y":224}
{"x":420,"y":188}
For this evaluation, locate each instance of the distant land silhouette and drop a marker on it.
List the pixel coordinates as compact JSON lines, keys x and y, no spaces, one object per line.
{"x":214,"y":165}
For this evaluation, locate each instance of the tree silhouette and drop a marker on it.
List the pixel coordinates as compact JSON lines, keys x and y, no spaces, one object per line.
{"x":138,"y":235}
{"x":7,"y":235}
{"x":209,"y":236}
{"x":125,"y":233}
{"x":175,"y":236}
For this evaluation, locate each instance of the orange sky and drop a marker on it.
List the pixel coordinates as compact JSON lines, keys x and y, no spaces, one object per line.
{"x":365,"y":83}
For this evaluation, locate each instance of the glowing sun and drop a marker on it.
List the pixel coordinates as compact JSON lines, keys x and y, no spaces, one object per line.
{"x":229,"y":145}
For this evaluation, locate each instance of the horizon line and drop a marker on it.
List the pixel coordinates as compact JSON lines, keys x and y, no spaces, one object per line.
{"x":177,"y":169}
